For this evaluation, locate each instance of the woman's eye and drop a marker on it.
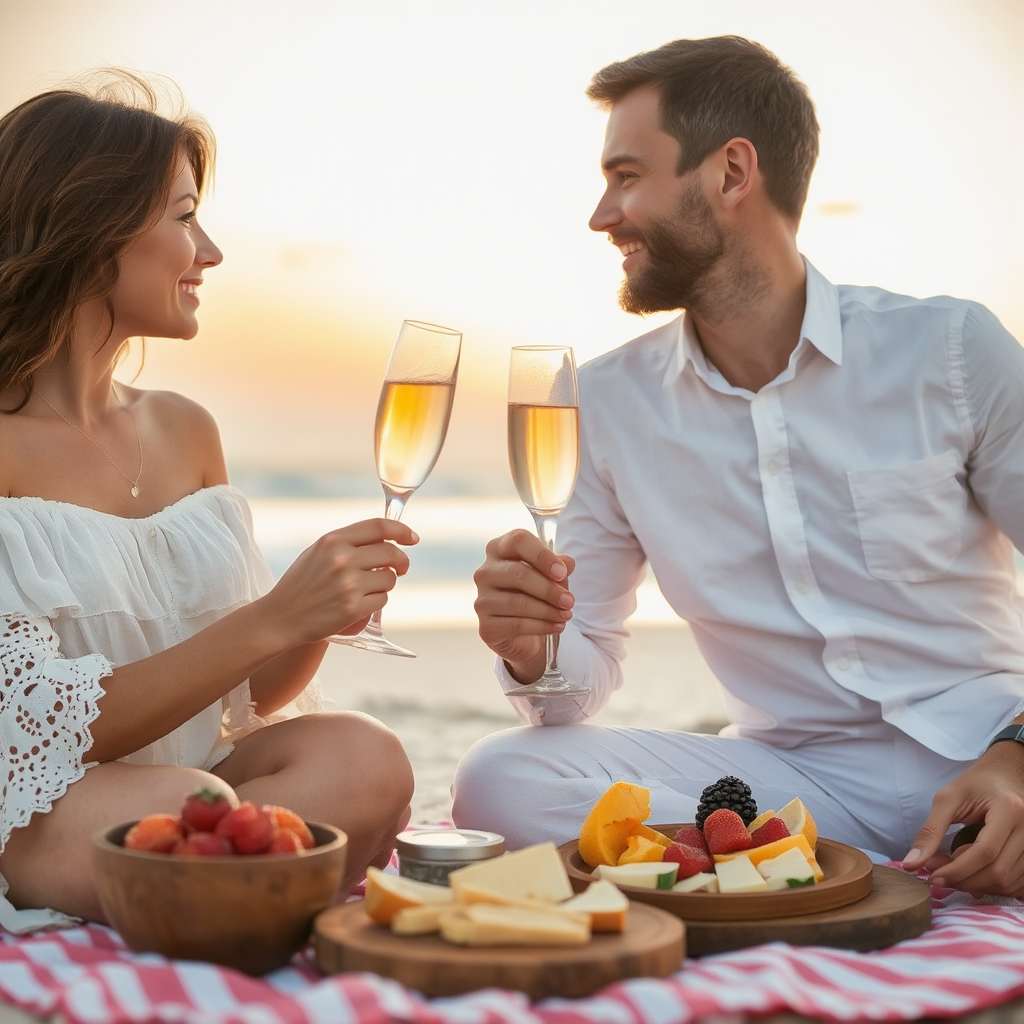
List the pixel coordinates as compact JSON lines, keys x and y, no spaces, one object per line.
{"x":188,"y":218}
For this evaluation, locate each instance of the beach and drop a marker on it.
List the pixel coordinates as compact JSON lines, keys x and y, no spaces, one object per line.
{"x":446,"y":698}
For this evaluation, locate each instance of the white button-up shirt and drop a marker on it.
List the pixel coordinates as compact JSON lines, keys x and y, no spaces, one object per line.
{"x":841,"y":542}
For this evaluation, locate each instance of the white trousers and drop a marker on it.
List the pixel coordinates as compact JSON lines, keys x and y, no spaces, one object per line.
{"x":532,"y":784}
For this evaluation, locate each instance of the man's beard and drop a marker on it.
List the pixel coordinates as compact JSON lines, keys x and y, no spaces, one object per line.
{"x":680,"y":254}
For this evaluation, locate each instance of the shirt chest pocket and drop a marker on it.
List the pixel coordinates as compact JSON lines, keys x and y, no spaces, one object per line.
{"x":910,"y":517}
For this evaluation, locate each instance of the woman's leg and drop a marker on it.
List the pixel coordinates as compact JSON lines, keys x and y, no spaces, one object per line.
{"x":344,"y":769}
{"x":48,"y":863}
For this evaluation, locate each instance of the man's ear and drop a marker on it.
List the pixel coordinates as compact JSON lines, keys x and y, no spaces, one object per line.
{"x":735,"y":170}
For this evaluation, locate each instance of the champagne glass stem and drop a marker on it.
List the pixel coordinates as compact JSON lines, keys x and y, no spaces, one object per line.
{"x":547,"y":524}
{"x":394,"y":506}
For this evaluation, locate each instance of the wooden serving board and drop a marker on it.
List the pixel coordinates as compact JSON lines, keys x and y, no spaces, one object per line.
{"x":652,"y":945}
{"x":898,"y":908}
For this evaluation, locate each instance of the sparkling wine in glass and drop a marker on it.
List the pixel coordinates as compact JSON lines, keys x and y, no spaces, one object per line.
{"x":412,"y":420}
{"x":544,"y":456}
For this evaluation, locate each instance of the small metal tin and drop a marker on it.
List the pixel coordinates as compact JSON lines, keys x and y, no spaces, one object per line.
{"x":429,"y":854}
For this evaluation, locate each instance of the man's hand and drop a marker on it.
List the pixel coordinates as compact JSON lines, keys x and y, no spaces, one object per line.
{"x":990,"y":792}
{"x":521,"y":598}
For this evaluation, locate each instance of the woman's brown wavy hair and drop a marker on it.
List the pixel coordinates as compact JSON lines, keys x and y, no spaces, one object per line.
{"x":84,"y":170}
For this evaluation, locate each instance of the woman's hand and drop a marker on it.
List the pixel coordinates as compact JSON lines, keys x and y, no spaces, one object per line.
{"x":339,"y":581}
{"x":521,"y":598}
{"x":989,"y":793}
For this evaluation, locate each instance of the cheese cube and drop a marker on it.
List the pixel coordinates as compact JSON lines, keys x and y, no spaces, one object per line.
{"x":604,"y":902}
{"x":739,"y":875}
{"x":703,"y":881}
{"x":789,"y":870}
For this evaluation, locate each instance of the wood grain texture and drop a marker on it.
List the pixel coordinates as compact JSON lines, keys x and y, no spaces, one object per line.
{"x":898,"y":908}
{"x":848,"y":878}
{"x":652,"y":945}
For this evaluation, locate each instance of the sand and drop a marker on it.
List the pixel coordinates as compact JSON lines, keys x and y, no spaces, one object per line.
{"x":446,"y":698}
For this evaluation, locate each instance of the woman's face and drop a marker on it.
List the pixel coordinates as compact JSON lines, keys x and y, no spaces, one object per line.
{"x":161,"y":270}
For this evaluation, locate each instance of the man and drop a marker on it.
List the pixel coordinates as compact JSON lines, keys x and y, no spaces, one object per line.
{"x":827,"y":481}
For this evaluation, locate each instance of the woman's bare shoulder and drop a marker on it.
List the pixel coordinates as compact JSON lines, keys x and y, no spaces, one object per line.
{"x":182,"y":423}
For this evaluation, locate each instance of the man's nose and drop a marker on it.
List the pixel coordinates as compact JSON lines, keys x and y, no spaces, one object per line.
{"x":605,"y":215}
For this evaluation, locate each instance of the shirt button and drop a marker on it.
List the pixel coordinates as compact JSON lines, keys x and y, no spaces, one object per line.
{"x":842,"y":664}
{"x":774,"y":466}
{"x":802,"y":587}
{"x":152,"y":531}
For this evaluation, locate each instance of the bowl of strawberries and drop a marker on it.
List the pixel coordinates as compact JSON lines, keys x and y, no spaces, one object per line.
{"x":231,"y":883}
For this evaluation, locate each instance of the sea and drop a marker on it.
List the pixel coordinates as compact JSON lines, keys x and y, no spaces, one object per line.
{"x":291,"y":510}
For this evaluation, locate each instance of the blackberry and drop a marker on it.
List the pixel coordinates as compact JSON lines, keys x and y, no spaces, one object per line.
{"x":728,"y":792}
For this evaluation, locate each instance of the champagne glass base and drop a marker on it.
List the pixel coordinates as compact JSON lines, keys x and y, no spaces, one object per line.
{"x":550,"y":688}
{"x":369,"y":640}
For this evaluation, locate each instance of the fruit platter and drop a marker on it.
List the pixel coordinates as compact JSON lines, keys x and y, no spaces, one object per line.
{"x":731,"y":864}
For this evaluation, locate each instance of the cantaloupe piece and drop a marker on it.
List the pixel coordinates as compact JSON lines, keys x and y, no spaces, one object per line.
{"x":604,"y":902}
{"x":642,"y":851}
{"x":653,"y":834}
{"x":770,"y":850}
{"x":617,"y":815}
{"x":387,"y":894}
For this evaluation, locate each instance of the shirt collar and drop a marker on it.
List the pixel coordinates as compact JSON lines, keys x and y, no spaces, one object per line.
{"x":822,"y":327}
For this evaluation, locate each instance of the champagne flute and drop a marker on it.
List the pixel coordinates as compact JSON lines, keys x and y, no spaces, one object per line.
{"x":412,"y":421}
{"x":544,"y":455}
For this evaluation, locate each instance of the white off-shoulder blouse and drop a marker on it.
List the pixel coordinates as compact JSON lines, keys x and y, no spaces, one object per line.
{"x":82,"y":593}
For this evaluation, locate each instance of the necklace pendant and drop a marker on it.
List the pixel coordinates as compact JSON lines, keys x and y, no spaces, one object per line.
{"x":135,"y":490}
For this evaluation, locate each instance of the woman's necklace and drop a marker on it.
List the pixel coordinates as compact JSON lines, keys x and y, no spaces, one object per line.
{"x":135,"y":482}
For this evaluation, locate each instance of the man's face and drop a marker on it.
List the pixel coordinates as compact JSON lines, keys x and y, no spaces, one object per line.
{"x":660,"y":221}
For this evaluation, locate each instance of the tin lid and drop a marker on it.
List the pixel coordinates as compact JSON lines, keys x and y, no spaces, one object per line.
{"x":449,"y":844}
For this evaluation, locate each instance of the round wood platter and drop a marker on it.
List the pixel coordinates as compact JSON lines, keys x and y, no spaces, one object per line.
{"x":652,"y":945}
{"x":847,"y":879}
{"x":899,"y":907}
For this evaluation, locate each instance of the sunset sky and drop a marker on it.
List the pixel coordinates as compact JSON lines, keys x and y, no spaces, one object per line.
{"x":438,"y":160}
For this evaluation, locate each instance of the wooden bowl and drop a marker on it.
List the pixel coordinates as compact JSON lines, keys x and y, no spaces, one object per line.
{"x":248,"y":912}
{"x":848,"y":878}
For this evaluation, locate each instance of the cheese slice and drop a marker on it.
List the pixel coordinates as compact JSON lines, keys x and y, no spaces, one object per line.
{"x":387,"y":894}
{"x":469,"y":893}
{"x":739,"y":875}
{"x":703,"y":881}
{"x":420,"y":920}
{"x":535,"y":872}
{"x":483,"y":924}
{"x":604,"y":902}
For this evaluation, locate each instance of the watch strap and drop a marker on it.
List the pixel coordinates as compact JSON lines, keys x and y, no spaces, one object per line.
{"x":1011,"y":732}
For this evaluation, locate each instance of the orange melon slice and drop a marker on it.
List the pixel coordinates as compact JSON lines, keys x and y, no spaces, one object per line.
{"x":770,"y":850}
{"x":616,"y":816}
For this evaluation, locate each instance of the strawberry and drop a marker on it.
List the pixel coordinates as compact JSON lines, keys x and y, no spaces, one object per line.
{"x":204,"y":808}
{"x":285,"y":841}
{"x":289,"y":821}
{"x":249,"y":828}
{"x":772,"y":829}
{"x":689,"y":858}
{"x":205,"y":844}
{"x":156,"y":833}
{"x":691,"y":836}
{"x":725,"y":832}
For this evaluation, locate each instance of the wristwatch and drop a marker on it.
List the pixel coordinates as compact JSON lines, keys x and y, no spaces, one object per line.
{"x":1011,"y":732}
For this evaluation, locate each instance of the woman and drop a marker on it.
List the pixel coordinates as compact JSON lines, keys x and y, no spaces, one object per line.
{"x":144,"y":647}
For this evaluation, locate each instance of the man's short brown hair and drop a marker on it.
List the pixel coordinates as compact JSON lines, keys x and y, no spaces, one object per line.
{"x":717,"y":89}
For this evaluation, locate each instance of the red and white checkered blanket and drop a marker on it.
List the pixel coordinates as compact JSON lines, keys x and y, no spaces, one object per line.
{"x":971,"y":958}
